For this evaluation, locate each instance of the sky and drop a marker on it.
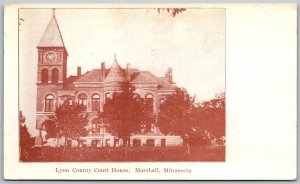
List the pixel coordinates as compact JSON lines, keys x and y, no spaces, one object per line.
{"x":192,"y":43}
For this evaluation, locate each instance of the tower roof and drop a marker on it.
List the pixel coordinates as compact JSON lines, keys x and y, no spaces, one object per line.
{"x":116,"y":73}
{"x":52,"y":36}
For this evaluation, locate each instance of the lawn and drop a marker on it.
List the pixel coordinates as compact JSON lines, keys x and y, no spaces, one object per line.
{"x":145,"y":154}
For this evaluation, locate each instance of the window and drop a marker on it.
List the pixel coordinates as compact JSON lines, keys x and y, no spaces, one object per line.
{"x":149,"y":101}
{"x":102,"y":130}
{"x":107,"y":96}
{"x":82,"y":100}
{"x":152,"y":128}
{"x":96,"y":126}
{"x":163,"y":142}
{"x":45,"y":75}
{"x":149,"y":96}
{"x":161,"y":101}
{"x":136,"y":143}
{"x":95,"y":143}
{"x":69,"y":101}
{"x":95,"y":102}
{"x":150,"y":142}
{"x":54,"y":75}
{"x":116,"y":142}
{"x":49,"y":103}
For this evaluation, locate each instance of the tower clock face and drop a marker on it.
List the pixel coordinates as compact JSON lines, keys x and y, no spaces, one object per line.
{"x":51,"y":57}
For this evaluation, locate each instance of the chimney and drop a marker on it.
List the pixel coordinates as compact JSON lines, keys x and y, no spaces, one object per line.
{"x":169,"y":75}
{"x":103,"y":70}
{"x":128,"y":72}
{"x":78,"y":71}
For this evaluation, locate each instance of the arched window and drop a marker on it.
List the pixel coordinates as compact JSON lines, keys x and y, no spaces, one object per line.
{"x":54,"y":75}
{"x":49,"y":103}
{"x":95,"y":102}
{"x":45,"y":75}
{"x":149,"y":101}
{"x":149,"y":97}
{"x":82,"y":100}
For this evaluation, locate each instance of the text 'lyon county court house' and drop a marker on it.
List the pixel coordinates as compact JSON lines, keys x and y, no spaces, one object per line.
{"x":92,"y":89}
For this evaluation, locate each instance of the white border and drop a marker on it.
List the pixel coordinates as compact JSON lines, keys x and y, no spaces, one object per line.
{"x":261,"y":86}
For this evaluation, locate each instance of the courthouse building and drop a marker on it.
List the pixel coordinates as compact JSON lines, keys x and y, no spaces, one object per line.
{"x":93,"y":88}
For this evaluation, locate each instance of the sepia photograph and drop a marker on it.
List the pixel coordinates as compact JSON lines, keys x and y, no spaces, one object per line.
{"x":122,"y":84}
{"x":150,"y":91}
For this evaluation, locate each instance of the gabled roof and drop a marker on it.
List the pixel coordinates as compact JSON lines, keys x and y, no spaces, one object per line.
{"x":116,"y":73}
{"x":52,"y":36}
{"x":90,"y":76}
{"x":163,"y":84}
{"x":144,"y":77}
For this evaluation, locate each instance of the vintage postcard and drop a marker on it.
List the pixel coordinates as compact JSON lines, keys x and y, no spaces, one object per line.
{"x":150,"y":91}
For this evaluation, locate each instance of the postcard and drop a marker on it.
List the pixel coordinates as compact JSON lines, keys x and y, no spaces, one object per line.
{"x":150,"y":91}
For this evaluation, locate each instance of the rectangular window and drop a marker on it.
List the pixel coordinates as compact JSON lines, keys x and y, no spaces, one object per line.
{"x":163,"y":142}
{"x":95,"y":104}
{"x":97,"y":129}
{"x":149,"y":104}
{"x":116,"y":142}
{"x":107,"y":96}
{"x":82,"y":102}
{"x":69,"y":102}
{"x":49,"y":105}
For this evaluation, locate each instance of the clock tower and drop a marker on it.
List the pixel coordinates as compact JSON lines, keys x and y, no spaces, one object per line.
{"x":52,"y":56}
{"x":51,"y":70}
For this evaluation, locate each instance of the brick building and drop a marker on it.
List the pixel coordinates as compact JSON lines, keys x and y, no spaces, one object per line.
{"x":93,"y":88}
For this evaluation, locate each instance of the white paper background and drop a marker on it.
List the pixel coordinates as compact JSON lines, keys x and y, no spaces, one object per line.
{"x":261,"y":77}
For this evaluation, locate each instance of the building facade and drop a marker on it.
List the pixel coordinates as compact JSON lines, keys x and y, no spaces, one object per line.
{"x":92,"y":89}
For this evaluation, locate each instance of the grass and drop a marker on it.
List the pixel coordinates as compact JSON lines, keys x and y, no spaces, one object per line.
{"x":144,"y":154}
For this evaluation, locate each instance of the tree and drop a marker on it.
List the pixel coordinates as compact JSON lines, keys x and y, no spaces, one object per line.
{"x":211,"y":115}
{"x":180,"y":115}
{"x":125,"y":114}
{"x":208,"y":121}
{"x":50,"y":128}
{"x":69,"y":121}
{"x":25,"y":138}
{"x":174,"y":114}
